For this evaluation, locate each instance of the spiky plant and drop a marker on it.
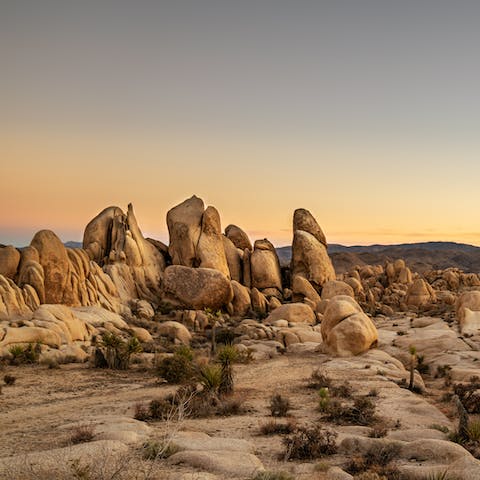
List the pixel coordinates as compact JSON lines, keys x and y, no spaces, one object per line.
{"x":226,"y":356}
{"x":413,"y":360}
{"x":211,"y":377}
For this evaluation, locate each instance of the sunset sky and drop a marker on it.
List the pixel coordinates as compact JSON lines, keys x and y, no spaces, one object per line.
{"x":365,"y":112}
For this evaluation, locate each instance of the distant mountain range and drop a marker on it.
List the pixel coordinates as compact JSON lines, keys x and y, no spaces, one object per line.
{"x":419,"y":256}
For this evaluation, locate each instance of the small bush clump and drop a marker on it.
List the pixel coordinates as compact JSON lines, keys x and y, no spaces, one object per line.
{"x":114,"y":352}
{"x":273,"y":476}
{"x":309,"y":442}
{"x":9,"y":379}
{"x":319,"y":379}
{"x":469,"y":395}
{"x":377,"y":460}
{"x":279,"y":406}
{"x":362,"y":412}
{"x":82,"y":434}
{"x":177,"y":368}
{"x":25,"y":354}
{"x":272,"y":427}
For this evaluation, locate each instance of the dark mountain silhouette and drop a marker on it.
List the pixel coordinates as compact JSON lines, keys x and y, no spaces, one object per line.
{"x":419,"y":256}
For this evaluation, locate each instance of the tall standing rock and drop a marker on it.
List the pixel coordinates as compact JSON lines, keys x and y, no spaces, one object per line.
{"x":185,"y":226}
{"x":238,"y":237}
{"x":56,"y":267}
{"x":9,"y":260}
{"x":234,"y":259}
{"x":310,"y":259}
{"x":30,"y":272}
{"x":210,"y":250}
{"x":265,"y":267}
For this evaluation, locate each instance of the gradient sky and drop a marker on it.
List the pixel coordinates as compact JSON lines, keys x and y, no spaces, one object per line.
{"x":365,"y":112}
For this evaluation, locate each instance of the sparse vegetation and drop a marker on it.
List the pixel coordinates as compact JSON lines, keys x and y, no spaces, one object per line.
{"x":114,"y":352}
{"x":82,"y":434}
{"x":469,"y":394}
{"x":362,"y":412}
{"x":279,"y":406}
{"x":324,"y":399}
{"x":226,"y":356}
{"x":310,"y":442}
{"x":377,"y":460}
{"x":413,"y":360}
{"x":273,"y":427}
{"x":273,"y":476}
{"x":319,"y":379}
{"x":177,"y":368}
{"x":27,"y":354}
{"x":9,"y":379}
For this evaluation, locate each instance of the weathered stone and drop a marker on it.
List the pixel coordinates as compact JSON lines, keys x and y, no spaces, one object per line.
{"x":294,"y":313}
{"x":265,"y":267}
{"x":184,"y":226}
{"x":196,"y":288}
{"x":175,"y":331}
{"x":333,"y":288}
{"x":234,"y":259}
{"x":9,"y":261}
{"x":241,"y":299}
{"x":238,"y":237}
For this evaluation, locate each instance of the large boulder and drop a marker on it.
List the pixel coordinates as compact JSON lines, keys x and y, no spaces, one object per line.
{"x":346,"y":330}
{"x":420,"y":293}
{"x":234,"y":259}
{"x":196,"y":288}
{"x":302,"y":289}
{"x":293,"y":313}
{"x":333,"y":288}
{"x":238,"y":237}
{"x":185,"y":226}
{"x":30,"y":272}
{"x":305,"y":221}
{"x":241,"y":299}
{"x":56,"y":267}
{"x":468,"y":312}
{"x":210,"y":250}
{"x":9,"y":260}
{"x":265,"y":267}
{"x":309,"y":252}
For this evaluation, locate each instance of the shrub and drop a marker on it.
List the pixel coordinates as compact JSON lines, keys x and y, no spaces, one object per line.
{"x":272,"y":427}
{"x":362,"y":412}
{"x":9,"y":379}
{"x":141,"y":412}
{"x":82,"y":434}
{"x":211,"y":377}
{"x":159,"y":409}
{"x":319,"y":379}
{"x":469,"y":395}
{"x":279,"y":406}
{"x":176,"y":368}
{"x":24,"y":355}
{"x":153,"y":450}
{"x":473,"y":430}
{"x":226,"y":356}
{"x":114,"y":352}
{"x":378,"y":431}
{"x":422,"y":367}
{"x":377,"y":460}
{"x":344,"y":390}
{"x":310,"y":441}
{"x":231,"y":405}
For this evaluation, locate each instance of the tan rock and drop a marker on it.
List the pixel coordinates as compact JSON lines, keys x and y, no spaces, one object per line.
{"x":210,"y":250}
{"x":420,"y":293}
{"x":345,"y":329}
{"x":241,"y":299}
{"x":265,"y":267}
{"x":196,"y":288}
{"x":304,"y":220}
{"x":30,"y":272}
{"x":54,"y":260}
{"x":470,"y":300}
{"x":234,"y":259}
{"x":259,"y":302}
{"x":9,"y":261}
{"x":302,"y":288}
{"x":247,"y":269}
{"x":336,"y":287}
{"x":238,"y":237}
{"x":185,"y":226}
{"x":175,"y":331}
{"x":293,"y":313}
{"x":310,"y":260}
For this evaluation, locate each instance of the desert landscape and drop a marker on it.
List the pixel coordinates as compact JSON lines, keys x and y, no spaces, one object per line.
{"x":208,"y":359}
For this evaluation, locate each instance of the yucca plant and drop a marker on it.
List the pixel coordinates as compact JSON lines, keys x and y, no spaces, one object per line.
{"x":211,"y":377}
{"x":413,"y":360}
{"x":324,"y":400}
{"x":226,"y":356}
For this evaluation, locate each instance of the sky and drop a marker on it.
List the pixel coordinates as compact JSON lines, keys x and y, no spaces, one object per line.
{"x":365,"y":112}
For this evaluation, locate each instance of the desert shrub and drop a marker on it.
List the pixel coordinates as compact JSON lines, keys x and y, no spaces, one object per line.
{"x":443,"y":371}
{"x":440,"y":476}
{"x":370,"y":476}
{"x":231,"y":405}
{"x":377,"y":460}
{"x":279,"y":406}
{"x":82,"y":434}
{"x":378,"y":431}
{"x":226,"y":356}
{"x":184,"y":351}
{"x":25,"y":354}
{"x":373,"y":393}
{"x":9,"y":379}
{"x":469,"y":395}
{"x":310,"y":441}
{"x":343,"y":390}
{"x":272,"y":427}
{"x":319,"y":379}
{"x":362,"y":412}
{"x":165,"y":308}
{"x":473,"y":430}
{"x":153,"y":450}
{"x":273,"y":476}
{"x":114,"y":352}
{"x":141,"y":412}
{"x":159,"y":409}
{"x":225,"y":336}
{"x":176,"y":368}
{"x":422,"y":367}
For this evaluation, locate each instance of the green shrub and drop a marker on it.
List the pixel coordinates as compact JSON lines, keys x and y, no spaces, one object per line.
{"x":176,"y":368}
{"x":324,"y":400}
{"x":211,"y":377}
{"x":114,"y":352}
{"x":25,"y":354}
